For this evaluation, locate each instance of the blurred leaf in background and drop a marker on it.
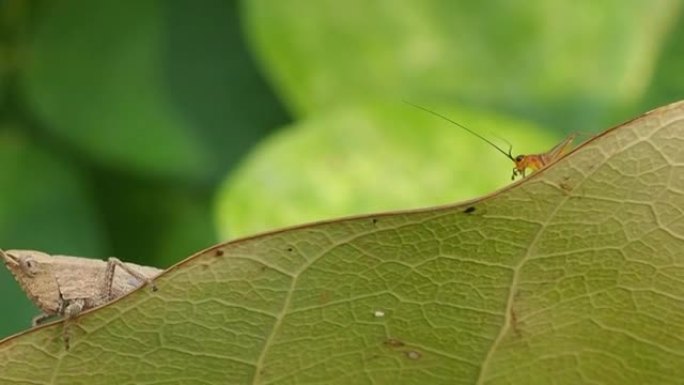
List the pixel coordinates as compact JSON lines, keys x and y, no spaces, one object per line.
{"x":161,"y":89}
{"x":581,"y":61}
{"x":370,"y":158}
{"x":568,"y":67}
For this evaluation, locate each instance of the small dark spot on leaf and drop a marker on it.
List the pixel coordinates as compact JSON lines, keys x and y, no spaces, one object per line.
{"x":514,"y":321}
{"x":565,"y":184}
{"x":324,"y":297}
{"x":375,"y":221}
{"x":413,"y":355}
{"x":469,"y":210}
{"x":394,"y":343}
{"x":219,"y":252}
{"x":290,"y":249}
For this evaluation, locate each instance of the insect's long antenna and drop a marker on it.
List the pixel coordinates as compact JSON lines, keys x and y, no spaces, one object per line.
{"x":510,"y":146}
{"x":507,"y":154}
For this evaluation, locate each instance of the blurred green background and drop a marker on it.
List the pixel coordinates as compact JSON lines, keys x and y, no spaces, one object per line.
{"x":151,"y":130}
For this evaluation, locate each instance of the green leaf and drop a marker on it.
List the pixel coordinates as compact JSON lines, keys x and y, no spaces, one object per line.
{"x":153,"y":88}
{"x":547,"y":60}
{"x":370,"y":158}
{"x":667,"y":84}
{"x":574,"y":275}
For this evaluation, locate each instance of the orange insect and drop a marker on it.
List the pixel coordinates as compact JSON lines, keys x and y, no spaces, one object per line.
{"x":522,"y":162}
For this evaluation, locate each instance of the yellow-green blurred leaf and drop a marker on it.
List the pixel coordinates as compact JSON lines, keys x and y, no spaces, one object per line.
{"x":575,"y":60}
{"x":371,"y":158}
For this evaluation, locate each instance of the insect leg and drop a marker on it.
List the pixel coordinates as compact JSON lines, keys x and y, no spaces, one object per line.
{"x":71,"y":309}
{"x":112,"y":264}
{"x":40,"y":318}
{"x":68,"y":309}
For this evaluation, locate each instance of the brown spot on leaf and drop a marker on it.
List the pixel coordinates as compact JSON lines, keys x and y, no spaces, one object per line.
{"x":513,"y":322}
{"x":324,"y":297}
{"x":394,"y":343}
{"x":469,"y":210}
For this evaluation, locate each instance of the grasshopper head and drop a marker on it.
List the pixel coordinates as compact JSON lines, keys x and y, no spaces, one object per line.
{"x":31,"y":270}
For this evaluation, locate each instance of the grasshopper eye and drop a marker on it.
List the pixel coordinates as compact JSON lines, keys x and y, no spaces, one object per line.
{"x":519,"y":158}
{"x":29,"y":266}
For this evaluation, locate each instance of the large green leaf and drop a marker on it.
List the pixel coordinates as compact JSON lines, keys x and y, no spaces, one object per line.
{"x":575,"y":275}
{"x":573,"y":61}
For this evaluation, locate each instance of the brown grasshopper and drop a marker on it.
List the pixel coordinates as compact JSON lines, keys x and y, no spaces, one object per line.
{"x":64,"y":286}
